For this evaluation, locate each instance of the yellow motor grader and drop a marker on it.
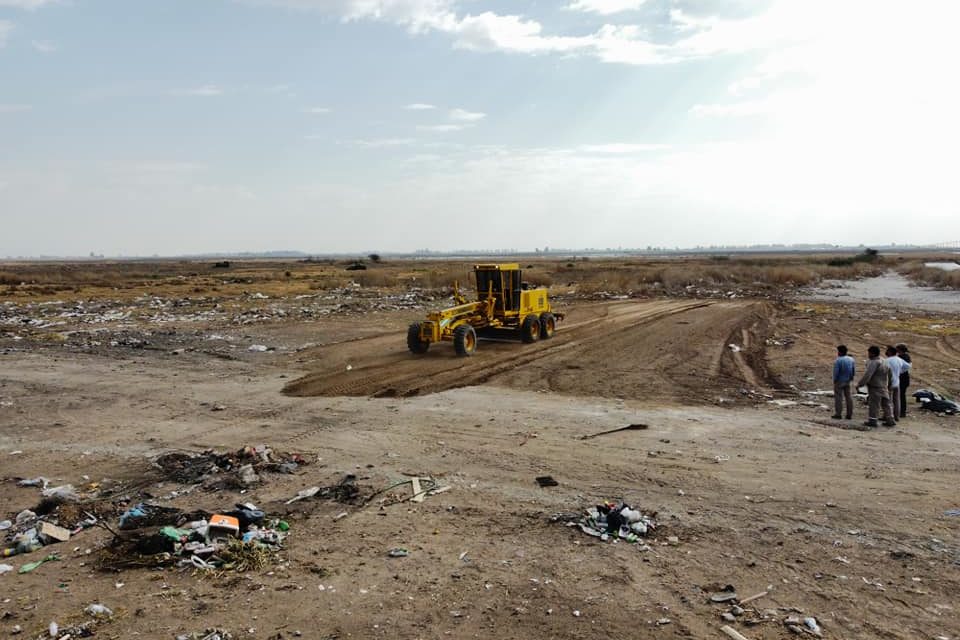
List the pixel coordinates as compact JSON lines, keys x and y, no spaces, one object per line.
{"x":505,"y":306}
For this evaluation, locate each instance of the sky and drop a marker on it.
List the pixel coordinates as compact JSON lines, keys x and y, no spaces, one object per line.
{"x":170,"y":127}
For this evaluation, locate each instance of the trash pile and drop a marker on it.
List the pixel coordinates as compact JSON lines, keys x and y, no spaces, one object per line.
{"x":242,"y":539}
{"x":233,"y":470}
{"x":616,"y":520}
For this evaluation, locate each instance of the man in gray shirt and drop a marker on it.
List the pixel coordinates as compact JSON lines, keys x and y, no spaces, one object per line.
{"x":897,"y":367}
{"x":877,"y":381}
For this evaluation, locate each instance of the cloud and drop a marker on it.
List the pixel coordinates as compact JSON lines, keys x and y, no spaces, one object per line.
{"x":734,"y":109}
{"x":207,"y":90}
{"x":442,"y":128}
{"x":44,"y":46}
{"x":14,"y":108}
{"x":27,"y":4}
{"x":623,"y":148}
{"x":419,"y":106}
{"x":462,"y":115}
{"x":689,"y":34}
{"x":378,"y":143}
{"x":318,"y":110}
{"x":605,"y":7}
{"x":5,"y":28}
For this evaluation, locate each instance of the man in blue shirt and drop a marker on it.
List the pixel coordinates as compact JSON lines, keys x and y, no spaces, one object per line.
{"x":844,"y":371}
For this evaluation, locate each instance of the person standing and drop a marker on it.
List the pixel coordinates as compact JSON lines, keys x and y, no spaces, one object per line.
{"x":904,"y":354}
{"x":877,"y":381}
{"x":844,"y":371}
{"x":897,"y":367}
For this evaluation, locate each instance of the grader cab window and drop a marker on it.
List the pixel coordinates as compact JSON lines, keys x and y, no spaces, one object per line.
{"x":503,"y":281}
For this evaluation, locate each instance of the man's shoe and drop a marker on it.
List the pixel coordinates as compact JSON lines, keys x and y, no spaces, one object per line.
{"x":871,"y":423}
{"x":837,"y":417}
{"x":849,"y":418}
{"x":889,"y":423}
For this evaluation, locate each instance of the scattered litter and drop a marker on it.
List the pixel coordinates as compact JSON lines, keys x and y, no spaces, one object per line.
{"x":952,"y":512}
{"x":234,"y":470}
{"x":933,"y":401}
{"x":207,"y":634}
{"x":730,"y":632}
{"x":735,"y":348}
{"x":546,"y":481}
{"x":30,"y":566}
{"x":629,"y":427}
{"x":398,"y":552}
{"x":344,"y":491}
{"x":783,"y":403}
{"x":728,"y":595}
{"x":63,"y":493}
{"x":98,"y":610}
{"x":34,"y":482}
{"x":258,"y":348}
{"x":54,"y":532}
{"x":756,"y":596}
{"x":418,"y":488}
{"x":304,"y":493}
{"x":5,"y":568}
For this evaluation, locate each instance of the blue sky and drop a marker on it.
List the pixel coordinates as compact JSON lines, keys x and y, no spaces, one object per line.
{"x":136,"y":127}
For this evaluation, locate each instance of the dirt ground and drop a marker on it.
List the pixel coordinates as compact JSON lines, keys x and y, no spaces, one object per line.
{"x":753,"y":484}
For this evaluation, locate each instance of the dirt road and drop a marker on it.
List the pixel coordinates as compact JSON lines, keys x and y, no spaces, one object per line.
{"x":664,"y":349}
{"x":846,"y":526}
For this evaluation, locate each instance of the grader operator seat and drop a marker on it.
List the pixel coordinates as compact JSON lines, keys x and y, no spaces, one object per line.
{"x":505,"y":279}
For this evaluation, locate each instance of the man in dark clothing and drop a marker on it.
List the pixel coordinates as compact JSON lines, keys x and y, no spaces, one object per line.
{"x":904,"y":354}
{"x":844,"y":371}
{"x":877,"y":381}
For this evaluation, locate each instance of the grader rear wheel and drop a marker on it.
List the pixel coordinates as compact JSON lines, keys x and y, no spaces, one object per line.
{"x":465,"y":340}
{"x":530,"y":329}
{"x":548,"y":325}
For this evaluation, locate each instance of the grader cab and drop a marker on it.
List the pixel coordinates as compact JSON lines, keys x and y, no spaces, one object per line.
{"x":505,"y":306}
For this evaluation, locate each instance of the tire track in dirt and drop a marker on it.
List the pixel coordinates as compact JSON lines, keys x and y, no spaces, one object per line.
{"x":398,"y":373}
{"x":945,"y":348}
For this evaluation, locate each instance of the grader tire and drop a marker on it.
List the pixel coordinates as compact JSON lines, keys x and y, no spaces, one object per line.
{"x":548,"y":325}
{"x":464,"y":340}
{"x":530,"y":329}
{"x":414,"y":343}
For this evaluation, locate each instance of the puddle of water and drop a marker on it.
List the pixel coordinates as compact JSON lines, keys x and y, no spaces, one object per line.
{"x":891,"y":287}
{"x":946,"y":266}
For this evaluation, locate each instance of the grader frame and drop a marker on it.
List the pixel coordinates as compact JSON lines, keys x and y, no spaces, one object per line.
{"x":505,"y":305}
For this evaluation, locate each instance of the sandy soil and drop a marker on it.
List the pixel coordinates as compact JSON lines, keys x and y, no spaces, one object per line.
{"x":843,"y":525}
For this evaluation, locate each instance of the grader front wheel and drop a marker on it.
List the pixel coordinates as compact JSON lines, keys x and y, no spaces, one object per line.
{"x":464,"y":340}
{"x":414,"y":343}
